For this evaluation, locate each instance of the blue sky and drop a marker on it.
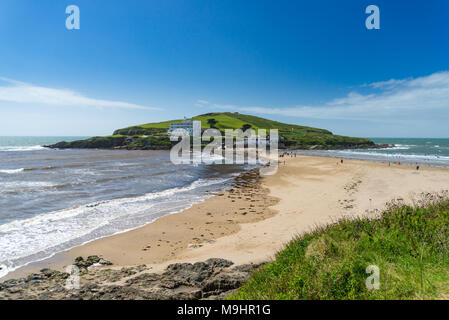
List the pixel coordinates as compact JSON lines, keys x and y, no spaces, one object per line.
{"x":306,"y":62}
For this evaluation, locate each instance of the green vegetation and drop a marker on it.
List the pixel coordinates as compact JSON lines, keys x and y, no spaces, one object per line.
{"x":223,"y":120}
{"x":94,"y":142}
{"x":150,"y":142}
{"x":118,"y":141}
{"x":409,"y":244}
{"x":212,"y":122}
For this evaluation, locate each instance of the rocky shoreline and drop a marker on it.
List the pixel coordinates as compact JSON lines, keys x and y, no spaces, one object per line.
{"x":129,"y":143}
{"x":212,"y":279}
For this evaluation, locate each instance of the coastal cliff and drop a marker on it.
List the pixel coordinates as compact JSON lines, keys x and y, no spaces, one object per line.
{"x":153,"y":136}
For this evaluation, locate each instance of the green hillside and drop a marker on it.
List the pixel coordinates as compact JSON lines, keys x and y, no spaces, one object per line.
{"x":291,"y":135}
{"x":225,"y":120}
{"x":154,"y":135}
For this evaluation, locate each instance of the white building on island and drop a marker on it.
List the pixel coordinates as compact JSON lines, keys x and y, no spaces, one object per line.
{"x":188,"y":125}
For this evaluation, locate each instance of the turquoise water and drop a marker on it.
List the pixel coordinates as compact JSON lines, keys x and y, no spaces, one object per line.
{"x":423,"y":151}
{"x":419,"y":147}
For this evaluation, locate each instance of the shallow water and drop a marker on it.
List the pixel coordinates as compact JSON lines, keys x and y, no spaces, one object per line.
{"x":421,"y":151}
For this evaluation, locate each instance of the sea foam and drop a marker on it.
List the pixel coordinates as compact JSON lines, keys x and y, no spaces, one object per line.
{"x":12,"y":171}
{"x":21,"y":148}
{"x":40,"y":237}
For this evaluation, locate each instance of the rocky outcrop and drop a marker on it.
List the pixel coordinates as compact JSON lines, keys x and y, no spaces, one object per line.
{"x":212,"y":279}
{"x":162,"y":143}
{"x":117,"y":142}
{"x":91,"y":143}
{"x":90,"y":261}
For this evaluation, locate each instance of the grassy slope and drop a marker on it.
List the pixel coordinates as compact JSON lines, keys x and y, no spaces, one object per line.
{"x":227,"y":120}
{"x":291,"y":135}
{"x":408,"y":244}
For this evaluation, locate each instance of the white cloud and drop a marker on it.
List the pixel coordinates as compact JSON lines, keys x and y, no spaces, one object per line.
{"x":201,"y":103}
{"x":385,"y":84}
{"x":20,"y":92}
{"x":420,"y":98}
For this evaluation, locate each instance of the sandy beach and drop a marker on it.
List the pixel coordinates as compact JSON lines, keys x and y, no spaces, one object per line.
{"x":252,"y":221}
{"x":244,"y":227}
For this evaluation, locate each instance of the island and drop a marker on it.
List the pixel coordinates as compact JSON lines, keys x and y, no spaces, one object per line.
{"x":154,"y":136}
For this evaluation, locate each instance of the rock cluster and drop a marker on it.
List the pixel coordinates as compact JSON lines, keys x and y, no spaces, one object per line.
{"x":90,"y":261}
{"x":211,"y":279}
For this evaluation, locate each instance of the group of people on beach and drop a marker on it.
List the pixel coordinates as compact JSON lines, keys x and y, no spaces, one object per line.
{"x":290,"y":154}
{"x":293,"y":155}
{"x":399,"y":163}
{"x":287,"y":154}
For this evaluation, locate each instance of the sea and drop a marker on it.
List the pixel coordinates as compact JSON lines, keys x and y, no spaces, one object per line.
{"x":415,"y":151}
{"x":54,"y":200}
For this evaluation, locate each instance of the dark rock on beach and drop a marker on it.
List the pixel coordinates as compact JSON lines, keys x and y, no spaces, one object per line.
{"x":212,"y":279}
{"x":90,"y":261}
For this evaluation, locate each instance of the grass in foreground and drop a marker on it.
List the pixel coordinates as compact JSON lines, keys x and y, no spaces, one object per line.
{"x":409,"y":244}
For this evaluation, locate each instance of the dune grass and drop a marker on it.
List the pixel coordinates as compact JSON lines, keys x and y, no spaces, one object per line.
{"x":409,"y":245}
